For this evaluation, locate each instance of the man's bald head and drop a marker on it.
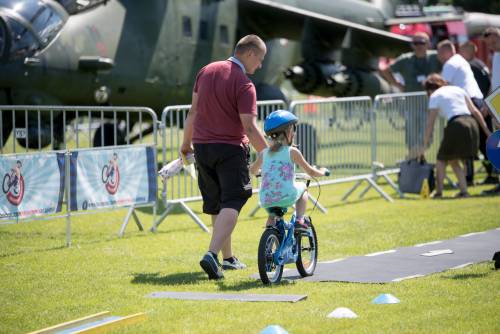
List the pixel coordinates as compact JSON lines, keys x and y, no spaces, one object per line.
{"x":251,"y":50}
{"x":446,"y":50}
{"x":468,"y":50}
{"x":250,"y":43}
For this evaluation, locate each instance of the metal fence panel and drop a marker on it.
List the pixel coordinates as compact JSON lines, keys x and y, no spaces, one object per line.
{"x":32,"y":129}
{"x":336,"y":133}
{"x":400,"y":126}
{"x":50,"y":128}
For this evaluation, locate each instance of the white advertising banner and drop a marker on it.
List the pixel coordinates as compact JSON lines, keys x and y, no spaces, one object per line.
{"x":32,"y":184}
{"x":112,"y":177}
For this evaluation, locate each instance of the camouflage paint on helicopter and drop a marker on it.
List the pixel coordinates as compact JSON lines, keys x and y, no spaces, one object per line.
{"x":126,"y":53}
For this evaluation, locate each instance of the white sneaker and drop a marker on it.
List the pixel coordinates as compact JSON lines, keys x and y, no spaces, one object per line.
{"x":233,"y":264}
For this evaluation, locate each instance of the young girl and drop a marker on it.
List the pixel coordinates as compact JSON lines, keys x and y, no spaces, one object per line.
{"x":278,"y":187}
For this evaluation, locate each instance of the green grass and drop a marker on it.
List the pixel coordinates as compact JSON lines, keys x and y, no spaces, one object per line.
{"x":45,"y":283}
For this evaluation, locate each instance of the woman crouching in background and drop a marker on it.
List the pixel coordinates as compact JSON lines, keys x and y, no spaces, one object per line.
{"x":461,"y":135}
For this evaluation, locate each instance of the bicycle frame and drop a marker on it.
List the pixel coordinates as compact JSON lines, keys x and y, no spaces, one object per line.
{"x":287,"y":252}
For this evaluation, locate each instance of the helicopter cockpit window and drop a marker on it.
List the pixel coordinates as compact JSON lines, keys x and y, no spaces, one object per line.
{"x":29,"y":26}
{"x":78,"y":6}
{"x":23,"y":41}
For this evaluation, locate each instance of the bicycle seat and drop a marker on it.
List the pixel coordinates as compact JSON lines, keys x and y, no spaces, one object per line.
{"x":277,"y":211}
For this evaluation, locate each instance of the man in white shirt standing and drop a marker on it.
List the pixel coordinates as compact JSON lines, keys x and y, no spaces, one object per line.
{"x":457,"y":71}
{"x":492,"y":38}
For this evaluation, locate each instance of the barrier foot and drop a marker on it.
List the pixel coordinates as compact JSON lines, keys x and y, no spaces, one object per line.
{"x":393,"y":185}
{"x":68,"y":229}
{"x":164,"y":215}
{"x":379,"y":190}
{"x":318,"y":204}
{"x":254,"y":211}
{"x":344,"y":198}
{"x":131,"y":212}
{"x":137,"y":221}
{"x":194,"y":216}
{"x":363,"y":193}
{"x":388,"y":180}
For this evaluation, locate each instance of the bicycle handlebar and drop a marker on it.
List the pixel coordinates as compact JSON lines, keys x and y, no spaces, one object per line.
{"x":302,"y":176}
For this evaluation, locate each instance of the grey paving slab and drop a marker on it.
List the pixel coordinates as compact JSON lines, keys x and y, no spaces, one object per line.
{"x":227,"y":296}
{"x":407,"y":262}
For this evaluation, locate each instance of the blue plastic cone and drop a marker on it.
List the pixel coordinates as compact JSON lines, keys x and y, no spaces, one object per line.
{"x":385,"y":298}
{"x":274,"y":329}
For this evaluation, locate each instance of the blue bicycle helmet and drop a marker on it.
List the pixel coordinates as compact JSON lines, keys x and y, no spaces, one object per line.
{"x":278,"y":121}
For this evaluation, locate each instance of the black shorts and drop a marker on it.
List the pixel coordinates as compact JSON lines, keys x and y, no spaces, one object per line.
{"x":223,"y":176}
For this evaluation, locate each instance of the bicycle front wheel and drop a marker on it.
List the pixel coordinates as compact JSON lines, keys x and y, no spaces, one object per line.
{"x":270,"y":272}
{"x":6,"y":183}
{"x":307,"y":244}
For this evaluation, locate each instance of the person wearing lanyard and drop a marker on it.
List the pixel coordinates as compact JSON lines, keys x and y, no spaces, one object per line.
{"x":411,"y":69}
{"x":219,"y":128}
{"x":461,"y":135}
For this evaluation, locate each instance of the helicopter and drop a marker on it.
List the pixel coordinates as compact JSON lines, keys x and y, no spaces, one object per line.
{"x":147,"y":53}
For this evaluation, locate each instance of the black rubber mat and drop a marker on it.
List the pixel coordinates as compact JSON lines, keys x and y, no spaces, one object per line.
{"x":407,"y":262}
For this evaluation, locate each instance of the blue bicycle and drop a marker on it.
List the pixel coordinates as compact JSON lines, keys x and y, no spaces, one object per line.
{"x":282,"y":243}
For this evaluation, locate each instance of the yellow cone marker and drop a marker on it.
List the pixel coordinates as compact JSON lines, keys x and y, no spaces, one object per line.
{"x":425,"y":191}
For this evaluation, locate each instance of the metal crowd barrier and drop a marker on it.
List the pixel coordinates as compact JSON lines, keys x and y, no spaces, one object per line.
{"x":182,"y":188}
{"x":37,"y":129}
{"x":399,"y":127}
{"x":359,"y":141}
{"x":337,"y":133}
{"x":42,"y":128}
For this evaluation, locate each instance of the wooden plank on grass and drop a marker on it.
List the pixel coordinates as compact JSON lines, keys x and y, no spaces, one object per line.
{"x":72,"y":323}
{"x":113,"y":324}
{"x":93,"y":324}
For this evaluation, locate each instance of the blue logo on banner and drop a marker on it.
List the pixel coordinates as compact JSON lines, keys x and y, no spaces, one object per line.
{"x":493,"y":148}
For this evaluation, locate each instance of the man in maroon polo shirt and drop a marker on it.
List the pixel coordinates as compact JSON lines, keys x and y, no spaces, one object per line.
{"x":220,"y":124}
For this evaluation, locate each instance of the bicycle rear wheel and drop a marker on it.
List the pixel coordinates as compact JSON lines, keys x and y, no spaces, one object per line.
{"x":104,"y":174}
{"x":269,"y":271}
{"x":308,"y":252}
